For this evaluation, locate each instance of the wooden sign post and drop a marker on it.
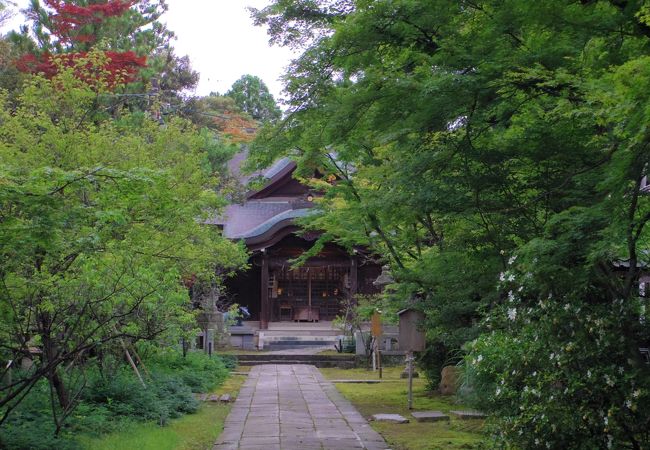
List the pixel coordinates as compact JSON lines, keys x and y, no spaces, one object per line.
{"x":376,"y":332}
{"x":412,"y":339}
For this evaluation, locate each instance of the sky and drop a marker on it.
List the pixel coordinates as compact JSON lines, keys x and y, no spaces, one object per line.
{"x":221,"y":41}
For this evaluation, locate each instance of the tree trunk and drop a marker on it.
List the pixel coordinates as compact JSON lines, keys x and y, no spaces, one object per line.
{"x":50,"y":354}
{"x":60,"y":389}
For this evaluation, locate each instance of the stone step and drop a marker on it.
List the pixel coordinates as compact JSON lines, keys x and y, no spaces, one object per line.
{"x":343,"y":360}
{"x":300,"y":339}
{"x":258,"y":358}
{"x":301,"y":326}
{"x":296,"y":332}
{"x":341,"y":364}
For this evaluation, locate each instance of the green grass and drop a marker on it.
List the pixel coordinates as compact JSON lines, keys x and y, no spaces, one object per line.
{"x":391,"y":397}
{"x":192,"y":432}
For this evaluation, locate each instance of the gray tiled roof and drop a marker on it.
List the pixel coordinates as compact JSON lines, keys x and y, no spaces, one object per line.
{"x":268,"y":224}
{"x":234,"y":167}
{"x":255,"y":217}
{"x":239,"y":220}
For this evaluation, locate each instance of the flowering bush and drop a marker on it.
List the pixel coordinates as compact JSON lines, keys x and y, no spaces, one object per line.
{"x":560,"y":368}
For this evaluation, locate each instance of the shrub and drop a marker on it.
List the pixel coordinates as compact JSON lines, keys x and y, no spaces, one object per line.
{"x":30,"y":426}
{"x":35,"y":434}
{"x":201,"y":372}
{"x":431,"y":361}
{"x":112,"y":400}
{"x":230,"y":361}
{"x":562,"y":369}
{"x":166,"y":396}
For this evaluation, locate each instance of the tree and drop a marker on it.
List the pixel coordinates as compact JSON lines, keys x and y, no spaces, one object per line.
{"x":101,"y":220}
{"x":297,"y":23}
{"x":461,"y":134}
{"x":138,"y":46}
{"x":252,"y":96}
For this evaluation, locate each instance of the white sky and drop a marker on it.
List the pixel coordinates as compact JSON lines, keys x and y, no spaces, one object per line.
{"x":221,"y":41}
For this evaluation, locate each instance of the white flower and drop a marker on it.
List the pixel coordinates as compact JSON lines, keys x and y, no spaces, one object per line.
{"x":535,"y":373}
{"x":588,"y":373}
{"x":620,"y":369}
{"x":479,"y":358}
{"x":636,"y":393}
{"x":552,"y":356}
{"x":502,"y":276}
{"x":512,"y":313}
{"x":512,"y":259}
{"x":511,"y":296}
{"x":498,"y":391}
{"x":511,"y":277}
{"x":628,"y":403}
{"x":536,"y":441}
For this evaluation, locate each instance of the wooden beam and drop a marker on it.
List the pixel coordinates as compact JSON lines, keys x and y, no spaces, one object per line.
{"x":264,"y":300}
{"x":281,"y":261}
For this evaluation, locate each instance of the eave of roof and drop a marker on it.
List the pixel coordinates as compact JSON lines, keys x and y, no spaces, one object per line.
{"x":267,"y":225}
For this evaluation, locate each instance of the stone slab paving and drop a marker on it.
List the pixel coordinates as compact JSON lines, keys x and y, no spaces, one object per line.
{"x":465,"y":415}
{"x":393,"y":418}
{"x":429,"y":416}
{"x":293,"y":407}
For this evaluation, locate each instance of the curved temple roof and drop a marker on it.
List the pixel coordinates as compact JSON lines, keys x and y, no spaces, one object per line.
{"x":263,"y":214}
{"x":274,"y":221}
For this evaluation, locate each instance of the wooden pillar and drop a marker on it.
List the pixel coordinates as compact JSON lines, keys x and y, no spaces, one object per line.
{"x":354,"y":285}
{"x":309,"y":315}
{"x":265,"y":307}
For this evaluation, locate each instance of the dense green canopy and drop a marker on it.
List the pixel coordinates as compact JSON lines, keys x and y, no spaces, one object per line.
{"x":464,"y":133}
{"x":101,"y":226}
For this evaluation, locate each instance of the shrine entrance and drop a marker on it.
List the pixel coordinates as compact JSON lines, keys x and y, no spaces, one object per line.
{"x":308,"y":294}
{"x":274,"y":290}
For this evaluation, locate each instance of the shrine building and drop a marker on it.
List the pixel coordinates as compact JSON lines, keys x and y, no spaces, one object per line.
{"x":275,"y":294}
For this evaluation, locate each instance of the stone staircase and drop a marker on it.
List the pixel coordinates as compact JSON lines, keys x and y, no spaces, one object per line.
{"x":292,"y":335}
{"x":342,"y":361}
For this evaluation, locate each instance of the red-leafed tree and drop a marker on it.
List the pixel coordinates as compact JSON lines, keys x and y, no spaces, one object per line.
{"x":66,"y":31}
{"x":75,"y":24}
{"x":116,"y":68}
{"x":137,"y":46}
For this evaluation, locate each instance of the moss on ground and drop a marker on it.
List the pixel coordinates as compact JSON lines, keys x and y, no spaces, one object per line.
{"x":391,"y":397}
{"x":196,"y":431}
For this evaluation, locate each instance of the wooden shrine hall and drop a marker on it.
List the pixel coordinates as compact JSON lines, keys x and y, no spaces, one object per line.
{"x":271,"y":290}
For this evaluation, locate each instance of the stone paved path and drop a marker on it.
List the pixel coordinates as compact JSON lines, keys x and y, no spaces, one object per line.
{"x":292,"y":407}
